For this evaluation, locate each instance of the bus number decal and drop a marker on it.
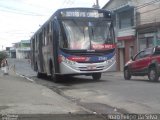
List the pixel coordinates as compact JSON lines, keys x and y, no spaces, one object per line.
{"x":102,"y":58}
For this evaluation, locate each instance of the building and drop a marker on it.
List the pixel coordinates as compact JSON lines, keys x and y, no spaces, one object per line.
{"x":124,"y":22}
{"x":137,"y":26}
{"x":11,"y":52}
{"x":23,"y":49}
{"x":148,"y":23}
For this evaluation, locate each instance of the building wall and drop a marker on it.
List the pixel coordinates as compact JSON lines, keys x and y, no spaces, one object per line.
{"x":125,"y":33}
{"x":148,"y":38}
{"x":23,"y":49}
{"x":148,"y":14}
{"x":148,"y":24}
{"x":22,"y":54}
{"x":114,"y":4}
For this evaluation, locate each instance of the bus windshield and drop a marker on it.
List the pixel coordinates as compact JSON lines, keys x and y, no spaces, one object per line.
{"x":86,"y":35}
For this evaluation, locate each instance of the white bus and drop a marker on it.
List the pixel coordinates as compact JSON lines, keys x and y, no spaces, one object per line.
{"x":74,"y":41}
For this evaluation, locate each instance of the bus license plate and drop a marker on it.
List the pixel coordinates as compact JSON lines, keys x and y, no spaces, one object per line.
{"x":91,"y":67}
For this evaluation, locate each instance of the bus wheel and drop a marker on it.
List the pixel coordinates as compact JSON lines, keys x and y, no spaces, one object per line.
{"x":96,"y":76}
{"x":54,"y":77}
{"x":39,"y":75}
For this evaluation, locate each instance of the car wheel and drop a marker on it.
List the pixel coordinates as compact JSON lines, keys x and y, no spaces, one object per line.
{"x":153,"y":75}
{"x":127,"y":75}
{"x":96,"y":76}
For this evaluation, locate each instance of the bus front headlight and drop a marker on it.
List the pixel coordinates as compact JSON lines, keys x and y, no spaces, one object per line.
{"x":67,"y":61}
{"x":110,"y":61}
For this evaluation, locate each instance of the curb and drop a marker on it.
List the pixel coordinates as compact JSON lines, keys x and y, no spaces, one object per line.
{"x":31,"y":80}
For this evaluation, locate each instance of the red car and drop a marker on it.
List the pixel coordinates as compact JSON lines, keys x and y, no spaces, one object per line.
{"x":146,"y":62}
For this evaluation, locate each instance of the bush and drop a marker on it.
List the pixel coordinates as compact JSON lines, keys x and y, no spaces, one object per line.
{"x":2,"y":55}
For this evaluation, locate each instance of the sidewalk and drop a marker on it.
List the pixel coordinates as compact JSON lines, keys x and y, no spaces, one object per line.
{"x":19,"y":96}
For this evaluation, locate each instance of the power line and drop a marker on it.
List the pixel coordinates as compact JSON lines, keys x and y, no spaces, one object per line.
{"x":149,"y":11}
{"x":152,"y":10}
{"x":147,"y":4}
{"x":20,"y":12}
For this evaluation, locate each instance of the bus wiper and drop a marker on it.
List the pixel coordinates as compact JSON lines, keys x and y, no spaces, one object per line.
{"x":92,"y":32}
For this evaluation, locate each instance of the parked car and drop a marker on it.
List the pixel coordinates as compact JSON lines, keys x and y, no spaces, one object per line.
{"x":146,"y":62}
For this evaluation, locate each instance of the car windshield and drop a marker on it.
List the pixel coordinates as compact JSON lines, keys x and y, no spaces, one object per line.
{"x":83,"y":35}
{"x":148,"y":51}
{"x":144,"y":53}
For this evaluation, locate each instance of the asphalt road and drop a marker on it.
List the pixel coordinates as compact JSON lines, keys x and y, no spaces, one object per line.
{"x":111,"y":94}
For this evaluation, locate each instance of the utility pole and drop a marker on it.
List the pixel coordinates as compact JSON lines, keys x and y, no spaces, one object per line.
{"x":96,"y":5}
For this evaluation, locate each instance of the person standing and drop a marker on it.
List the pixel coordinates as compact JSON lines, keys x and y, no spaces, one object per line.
{"x":4,"y":66}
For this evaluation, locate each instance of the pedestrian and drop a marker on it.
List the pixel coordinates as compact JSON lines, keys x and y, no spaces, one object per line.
{"x":4,"y":66}
{"x":2,"y":63}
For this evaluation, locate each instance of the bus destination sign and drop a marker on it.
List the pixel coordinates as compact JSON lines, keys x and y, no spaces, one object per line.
{"x":93,"y":14}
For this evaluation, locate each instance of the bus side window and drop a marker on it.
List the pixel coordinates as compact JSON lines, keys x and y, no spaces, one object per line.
{"x":57,"y":34}
{"x":45,"y":41}
{"x":36,"y":41}
{"x":43,"y":35}
{"x":40,"y":39}
{"x":63,"y":43}
{"x":50,"y":33}
{"x":55,"y":29}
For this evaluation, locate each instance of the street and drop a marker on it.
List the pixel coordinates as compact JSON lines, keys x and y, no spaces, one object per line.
{"x":112,"y":94}
{"x":138,"y":95}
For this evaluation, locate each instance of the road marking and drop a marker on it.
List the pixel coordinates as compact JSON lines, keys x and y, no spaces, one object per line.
{"x":31,"y":80}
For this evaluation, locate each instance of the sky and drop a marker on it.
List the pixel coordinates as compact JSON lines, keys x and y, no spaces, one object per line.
{"x":19,"y":19}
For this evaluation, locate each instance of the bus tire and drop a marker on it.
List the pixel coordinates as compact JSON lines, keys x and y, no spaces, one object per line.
{"x":54,"y":77}
{"x":39,"y":75}
{"x":96,"y":76}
